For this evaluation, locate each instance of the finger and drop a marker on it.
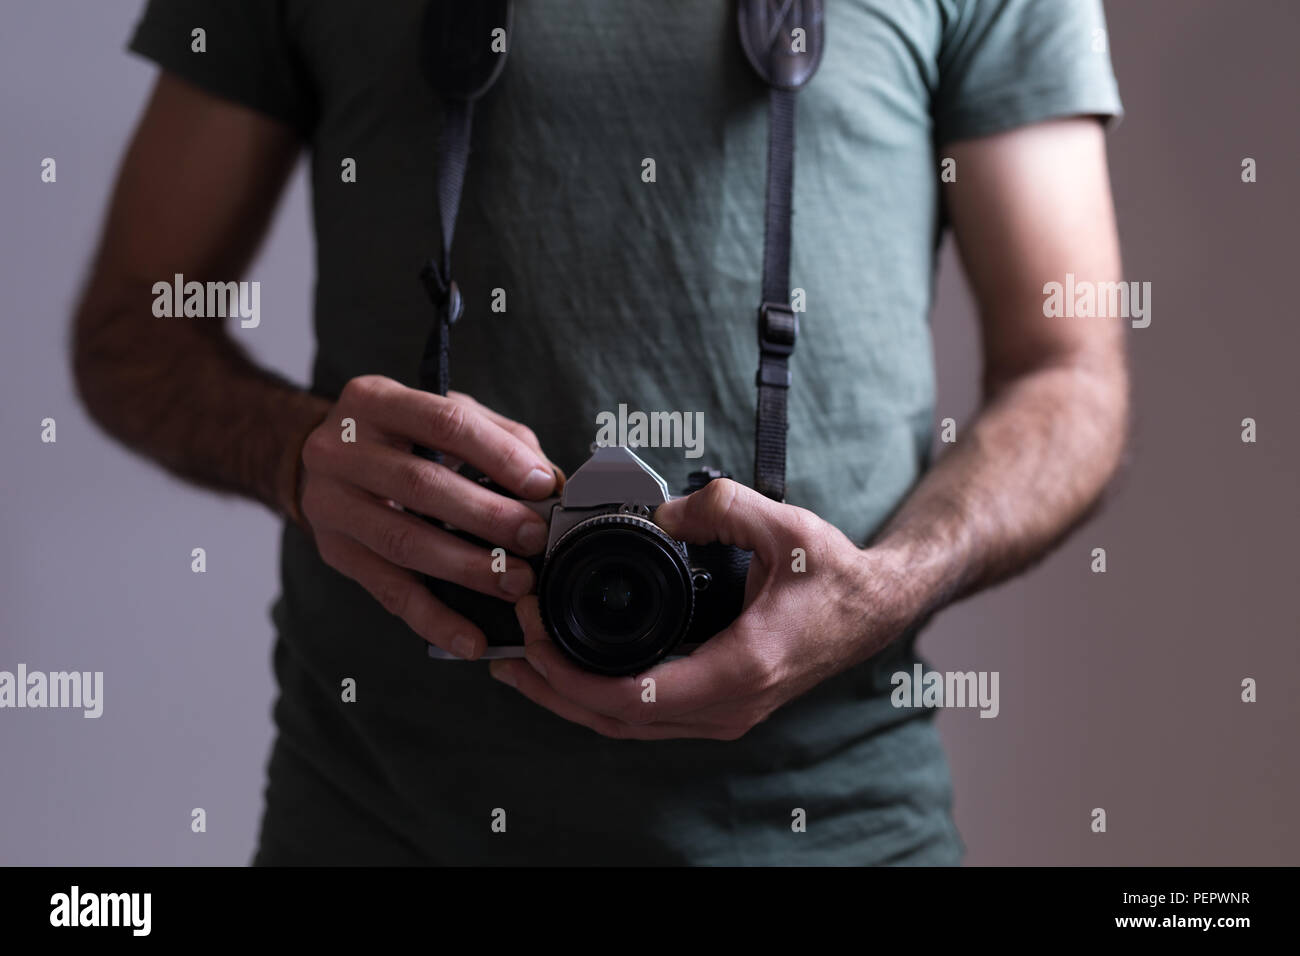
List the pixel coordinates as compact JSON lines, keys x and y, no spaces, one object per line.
{"x":714,"y":678}
{"x":436,"y":491}
{"x":725,"y":511}
{"x":519,"y":675}
{"x":408,"y":542}
{"x":518,"y":429}
{"x":617,"y":697}
{"x":458,"y":429}
{"x":523,"y":678}
{"x":528,"y":613}
{"x":684,"y":688}
{"x":622,"y":698}
{"x":403,"y":595}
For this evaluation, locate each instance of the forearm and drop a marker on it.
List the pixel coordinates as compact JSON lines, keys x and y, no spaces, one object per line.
{"x":1026,"y":471}
{"x":181,"y":392}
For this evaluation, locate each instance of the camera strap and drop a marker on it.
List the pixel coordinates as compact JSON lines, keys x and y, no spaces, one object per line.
{"x":783,"y":41}
{"x":463,"y":49}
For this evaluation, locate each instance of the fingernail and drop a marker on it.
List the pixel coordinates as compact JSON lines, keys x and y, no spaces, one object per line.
{"x":532,"y":537}
{"x":502,"y":672}
{"x":537,"y":664}
{"x":517,"y":581}
{"x":462,"y":645}
{"x":538,"y":482}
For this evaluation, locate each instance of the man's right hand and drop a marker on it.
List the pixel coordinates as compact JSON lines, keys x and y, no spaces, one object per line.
{"x":353,"y":494}
{"x":183,"y":391}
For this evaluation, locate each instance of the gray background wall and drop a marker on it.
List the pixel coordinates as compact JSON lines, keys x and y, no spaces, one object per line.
{"x":1119,"y":690}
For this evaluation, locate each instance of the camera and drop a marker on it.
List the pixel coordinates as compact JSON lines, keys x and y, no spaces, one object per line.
{"x":617,"y":594}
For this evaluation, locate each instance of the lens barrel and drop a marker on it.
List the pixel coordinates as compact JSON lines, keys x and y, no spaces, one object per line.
{"x":616,"y":593}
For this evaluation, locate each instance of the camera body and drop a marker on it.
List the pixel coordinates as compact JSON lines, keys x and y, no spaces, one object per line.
{"x":616,"y":593}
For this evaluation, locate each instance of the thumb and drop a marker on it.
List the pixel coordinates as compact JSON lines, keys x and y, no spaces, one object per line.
{"x":725,"y":511}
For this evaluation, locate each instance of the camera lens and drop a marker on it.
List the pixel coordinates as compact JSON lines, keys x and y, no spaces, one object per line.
{"x":616,"y":593}
{"x":616,"y":601}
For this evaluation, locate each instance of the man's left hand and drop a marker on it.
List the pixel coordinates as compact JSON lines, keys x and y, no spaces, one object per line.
{"x":806,"y":617}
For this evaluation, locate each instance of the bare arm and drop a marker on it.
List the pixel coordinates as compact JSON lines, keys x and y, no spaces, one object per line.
{"x":1028,"y":207}
{"x":194,"y":196}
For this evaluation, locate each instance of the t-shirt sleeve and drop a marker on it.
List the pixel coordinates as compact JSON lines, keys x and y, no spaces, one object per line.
{"x":248,"y":55}
{"x":1008,"y":63}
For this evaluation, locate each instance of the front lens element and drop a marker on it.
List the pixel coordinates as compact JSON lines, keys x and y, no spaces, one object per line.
{"x":616,"y":593}
{"x":617,"y":601}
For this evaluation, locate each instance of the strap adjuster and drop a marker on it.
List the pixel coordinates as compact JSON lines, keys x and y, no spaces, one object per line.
{"x":778,"y":328}
{"x":445,"y":296}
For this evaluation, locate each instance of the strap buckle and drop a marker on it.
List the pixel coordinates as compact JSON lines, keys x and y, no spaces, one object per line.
{"x":445,"y":296}
{"x":778,"y":328}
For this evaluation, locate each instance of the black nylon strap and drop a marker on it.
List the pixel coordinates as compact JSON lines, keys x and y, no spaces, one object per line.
{"x":780,"y":189}
{"x":453,"y":159}
{"x":783,"y":41}
{"x":778,"y":326}
{"x":460,"y":62}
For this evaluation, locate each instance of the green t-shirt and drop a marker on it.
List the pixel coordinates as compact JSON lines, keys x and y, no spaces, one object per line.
{"x":619,"y":290}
